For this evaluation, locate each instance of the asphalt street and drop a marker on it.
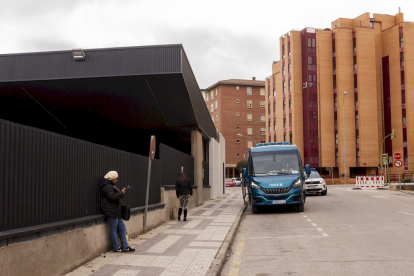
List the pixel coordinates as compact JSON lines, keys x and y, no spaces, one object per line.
{"x":347,"y":232}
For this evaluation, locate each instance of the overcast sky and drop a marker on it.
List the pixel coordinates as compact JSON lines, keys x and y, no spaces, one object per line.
{"x":223,"y":39}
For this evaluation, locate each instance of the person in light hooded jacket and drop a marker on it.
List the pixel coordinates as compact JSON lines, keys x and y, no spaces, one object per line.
{"x":111,"y":208}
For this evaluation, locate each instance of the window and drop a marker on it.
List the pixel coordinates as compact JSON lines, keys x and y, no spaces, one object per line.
{"x":262,"y":141}
{"x":274,"y":92}
{"x":262,"y":104}
{"x":402,"y":59}
{"x":211,"y":107}
{"x":284,"y":86}
{"x":249,"y":90}
{"x":237,"y":100}
{"x":249,"y":117}
{"x":313,"y":42}
{"x":371,"y":24}
{"x":216,"y":118}
{"x":262,"y":118}
{"x":238,"y":155}
{"x":336,"y":138}
{"x":215,"y":104}
{"x":249,"y":131}
{"x":356,"y":119}
{"x":274,"y":124}
{"x":237,"y":113}
{"x":211,"y":95}
{"x":262,"y":131}
{"x":216,"y":91}
{"x":237,"y":141}
{"x":262,"y":91}
{"x":358,"y":155}
{"x":289,"y":67}
{"x":401,"y":41}
{"x":207,"y":97}
{"x":404,"y":119}
{"x":237,"y":88}
{"x":283,"y":69}
{"x":290,"y":84}
{"x":237,"y":128}
{"x":249,"y":103}
{"x":335,"y":101}
{"x":249,"y":144}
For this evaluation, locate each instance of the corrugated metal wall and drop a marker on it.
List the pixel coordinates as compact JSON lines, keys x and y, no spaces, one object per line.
{"x":46,"y":177}
{"x":98,"y":63}
{"x":172,"y":161}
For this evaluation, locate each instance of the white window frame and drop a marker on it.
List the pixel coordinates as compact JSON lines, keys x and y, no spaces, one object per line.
{"x":211,"y":95}
{"x":237,"y":88}
{"x":262,"y":104}
{"x":249,"y":144}
{"x":262,"y":91}
{"x":262,"y":131}
{"x":215,"y":104}
{"x":249,"y":103}
{"x":249,"y":131}
{"x":262,"y":118}
{"x":249,"y":91}
{"x":237,"y":100}
{"x":249,"y":117}
{"x":237,"y":114}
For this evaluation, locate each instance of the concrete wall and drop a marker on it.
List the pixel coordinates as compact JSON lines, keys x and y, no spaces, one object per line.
{"x":217,"y":155}
{"x":61,"y":253}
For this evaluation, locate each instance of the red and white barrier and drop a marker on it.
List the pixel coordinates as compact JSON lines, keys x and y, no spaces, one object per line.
{"x":370,"y":181}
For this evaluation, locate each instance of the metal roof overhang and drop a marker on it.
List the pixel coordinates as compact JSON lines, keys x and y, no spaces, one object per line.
{"x":133,"y":92}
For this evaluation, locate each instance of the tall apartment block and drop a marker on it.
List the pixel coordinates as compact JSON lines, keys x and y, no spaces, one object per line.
{"x":237,"y":107}
{"x":370,"y":58}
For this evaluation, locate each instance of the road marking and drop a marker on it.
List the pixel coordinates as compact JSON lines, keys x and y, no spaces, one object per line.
{"x":319,"y":229}
{"x":284,"y":237}
{"x":382,"y":197}
{"x":406,"y":213}
{"x":325,"y":235}
{"x":314,"y":224}
{"x":309,"y":220}
{"x":235,"y":265}
{"x":305,"y":216}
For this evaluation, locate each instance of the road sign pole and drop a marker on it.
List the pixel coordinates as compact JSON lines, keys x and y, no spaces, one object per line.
{"x":150,"y":158}
{"x":399,"y":180}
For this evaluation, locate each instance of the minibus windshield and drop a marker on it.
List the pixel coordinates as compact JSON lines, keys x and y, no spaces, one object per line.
{"x":275,"y":163}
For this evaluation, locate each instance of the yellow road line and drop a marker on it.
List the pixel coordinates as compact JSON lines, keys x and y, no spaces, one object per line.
{"x":235,"y":265}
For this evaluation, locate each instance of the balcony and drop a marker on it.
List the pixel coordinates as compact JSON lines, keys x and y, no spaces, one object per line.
{"x":403,"y":86}
{"x":355,"y":89}
{"x":402,"y":68}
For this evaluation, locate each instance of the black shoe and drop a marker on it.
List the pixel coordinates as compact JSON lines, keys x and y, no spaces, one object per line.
{"x":180,"y":210}
{"x":185,"y":219}
{"x":128,"y":249}
{"x":185,"y":215}
{"x":118,"y":250}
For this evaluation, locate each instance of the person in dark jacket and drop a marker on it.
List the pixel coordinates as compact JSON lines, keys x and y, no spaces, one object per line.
{"x":111,"y":208}
{"x":183,"y":190}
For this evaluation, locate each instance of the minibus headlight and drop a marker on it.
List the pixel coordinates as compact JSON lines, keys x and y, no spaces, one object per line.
{"x":297,"y":183}
{"x":255,"y":186}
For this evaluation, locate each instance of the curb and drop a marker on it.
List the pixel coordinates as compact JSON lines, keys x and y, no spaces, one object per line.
{"x":218,"y":262}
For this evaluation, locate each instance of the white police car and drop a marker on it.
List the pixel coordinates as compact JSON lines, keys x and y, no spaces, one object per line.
{"x":316,"y":184}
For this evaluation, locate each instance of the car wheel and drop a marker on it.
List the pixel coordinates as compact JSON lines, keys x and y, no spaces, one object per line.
{"x":255,"y":209}
{"x":325,"y":192}
{"x":300,"y":207}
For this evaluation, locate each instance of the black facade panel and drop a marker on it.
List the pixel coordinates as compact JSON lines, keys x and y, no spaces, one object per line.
{"x":206,"y":173}
{"x":172,"y":161}
{"x":98,"y":63}
{"x":201,"y":111}
{"x":46,"y":177}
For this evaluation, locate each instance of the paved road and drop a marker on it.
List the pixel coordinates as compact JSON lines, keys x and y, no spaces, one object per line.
{"x":347,"y":232}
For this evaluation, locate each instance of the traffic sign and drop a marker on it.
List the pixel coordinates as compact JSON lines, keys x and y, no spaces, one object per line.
{"x":397,"y":156}
{"x":398,"y":163}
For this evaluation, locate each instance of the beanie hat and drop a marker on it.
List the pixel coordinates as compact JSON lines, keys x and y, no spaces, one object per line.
{"x":111,"y":175}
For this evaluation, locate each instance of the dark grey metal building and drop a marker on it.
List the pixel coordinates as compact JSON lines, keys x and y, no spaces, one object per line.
{"x":115,"y":97}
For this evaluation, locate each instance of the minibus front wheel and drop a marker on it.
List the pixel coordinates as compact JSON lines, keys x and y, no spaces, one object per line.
{"x":255,"y":209}
{"x":300,"y":207}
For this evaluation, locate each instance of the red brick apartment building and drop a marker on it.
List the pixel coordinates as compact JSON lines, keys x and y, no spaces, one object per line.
{"x":237,"y":107}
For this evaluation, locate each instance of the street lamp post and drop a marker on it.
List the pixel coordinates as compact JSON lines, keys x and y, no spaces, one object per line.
{"x":343,"y":122}
{"x":238,"y":134}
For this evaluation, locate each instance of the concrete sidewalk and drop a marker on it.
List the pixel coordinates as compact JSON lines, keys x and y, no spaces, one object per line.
{"x":176,"y":248}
